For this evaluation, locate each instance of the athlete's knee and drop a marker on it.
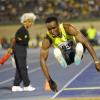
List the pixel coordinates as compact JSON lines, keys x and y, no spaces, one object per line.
{"x":58,"y":55}
{"x":79,"y":53}
{"x":57,"y":52}
{"x":79,"y":47}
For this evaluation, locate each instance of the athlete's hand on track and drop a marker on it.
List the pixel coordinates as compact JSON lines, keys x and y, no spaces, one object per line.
{"x":53,"y":85}
{"x":97,"y":66}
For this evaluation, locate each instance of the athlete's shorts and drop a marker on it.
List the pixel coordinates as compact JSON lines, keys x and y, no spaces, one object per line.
{"x":74,"y":54}
{"x":69,"y":56}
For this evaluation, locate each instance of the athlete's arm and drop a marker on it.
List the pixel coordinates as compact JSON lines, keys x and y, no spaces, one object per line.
{"x":79,"y":37}
{"x":43,"y":58}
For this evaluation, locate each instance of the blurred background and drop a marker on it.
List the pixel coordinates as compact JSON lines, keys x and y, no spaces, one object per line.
{"x":84,"y":14}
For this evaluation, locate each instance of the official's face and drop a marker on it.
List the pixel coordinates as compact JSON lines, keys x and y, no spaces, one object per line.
{"x":53,"y":28}
{"x":28,"y":23}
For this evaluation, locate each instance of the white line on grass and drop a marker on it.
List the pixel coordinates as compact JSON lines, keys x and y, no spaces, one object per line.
{"x":69,"y":82}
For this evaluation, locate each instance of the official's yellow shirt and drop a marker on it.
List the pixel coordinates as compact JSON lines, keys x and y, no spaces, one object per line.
{"x":91,"y":33}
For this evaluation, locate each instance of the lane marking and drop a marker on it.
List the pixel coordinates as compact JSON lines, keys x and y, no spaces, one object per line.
{"x":8,"y":80}
{"x":31,"y":71}
{"x":69,"y":82}
{"x":6,"y":69}
{"x":83,"y":88}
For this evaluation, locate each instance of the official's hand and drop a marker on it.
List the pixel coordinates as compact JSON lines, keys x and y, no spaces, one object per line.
{"x":53,"y":85}
{"x":97,"y":63}
{"x":10,"y":50}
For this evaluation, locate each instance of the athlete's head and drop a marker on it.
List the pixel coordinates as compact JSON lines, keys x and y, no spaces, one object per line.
{"x":52,"y":25}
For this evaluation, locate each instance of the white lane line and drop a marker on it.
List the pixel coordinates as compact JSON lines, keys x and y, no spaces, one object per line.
{"x":6,"y":69}
{"x":31,"y":71}
{"x":8,"y":80}
{"x":82,"y":88}
{"x":69,"y":82}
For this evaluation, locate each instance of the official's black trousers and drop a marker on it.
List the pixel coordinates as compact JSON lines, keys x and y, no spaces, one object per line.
{"x":20,"y":54}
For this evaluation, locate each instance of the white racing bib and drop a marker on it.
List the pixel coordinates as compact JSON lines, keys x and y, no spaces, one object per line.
{"x":66,"y":45}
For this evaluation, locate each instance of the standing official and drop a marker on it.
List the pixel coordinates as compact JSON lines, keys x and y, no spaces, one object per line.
{"x":20,"y":53}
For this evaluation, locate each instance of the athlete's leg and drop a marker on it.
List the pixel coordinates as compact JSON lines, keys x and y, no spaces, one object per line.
{"x":78,"y":53}
{"x":58,"y":55}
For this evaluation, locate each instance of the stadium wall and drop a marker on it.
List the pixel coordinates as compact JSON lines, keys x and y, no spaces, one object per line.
{"x":8,"y":31}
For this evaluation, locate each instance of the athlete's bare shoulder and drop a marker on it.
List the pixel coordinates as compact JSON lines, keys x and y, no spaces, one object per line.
{"x":67,"y":26}
{"x":46,"y":43}
{"x":48,"y":38}
{"x":71,"y":29}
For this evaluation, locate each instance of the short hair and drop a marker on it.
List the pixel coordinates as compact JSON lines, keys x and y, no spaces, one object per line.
{"x":50,"y":19}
